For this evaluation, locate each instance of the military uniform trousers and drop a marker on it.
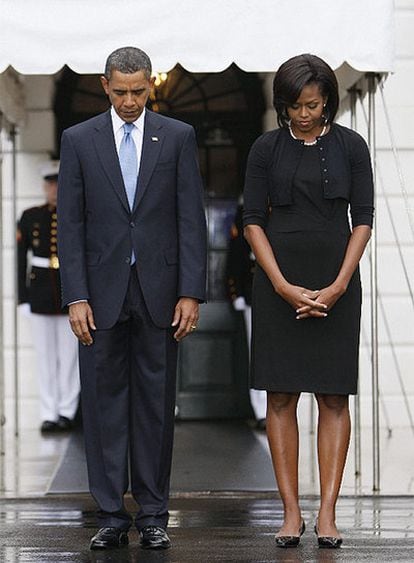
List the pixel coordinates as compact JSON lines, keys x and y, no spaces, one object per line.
{"x":57,"y":361}
{"x":258,"y":398}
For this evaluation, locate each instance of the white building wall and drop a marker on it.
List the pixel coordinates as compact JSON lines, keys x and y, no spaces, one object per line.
{"x":35,"y":144}
{"x":395,"y":238}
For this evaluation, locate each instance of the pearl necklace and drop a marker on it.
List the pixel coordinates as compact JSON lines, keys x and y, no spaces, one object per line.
{"x":308,"y":143}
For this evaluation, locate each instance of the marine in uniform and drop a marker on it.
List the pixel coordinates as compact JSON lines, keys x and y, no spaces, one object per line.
{"x":240,"y":269}
{"x":39,"y":288}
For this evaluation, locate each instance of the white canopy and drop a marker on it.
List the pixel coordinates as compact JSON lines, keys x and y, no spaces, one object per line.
{"x":40,"y":36}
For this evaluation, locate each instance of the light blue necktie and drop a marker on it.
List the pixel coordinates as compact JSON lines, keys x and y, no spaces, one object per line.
{"x":129,"y":163}
{"x":129,"y":167}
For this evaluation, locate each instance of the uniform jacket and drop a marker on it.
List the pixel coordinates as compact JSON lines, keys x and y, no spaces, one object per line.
{"x":37,"y":232}
{"x":97,"y":230}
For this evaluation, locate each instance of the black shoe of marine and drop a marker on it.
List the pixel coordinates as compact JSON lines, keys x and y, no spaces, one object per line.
{"x":154,"y":537}
{"x":64,"y":424}
{"x":49,"y":426}
{"x":109,"y":538}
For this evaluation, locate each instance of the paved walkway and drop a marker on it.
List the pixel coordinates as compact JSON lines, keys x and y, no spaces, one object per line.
{"x":232,"y":528}
{"x":224,"y":506}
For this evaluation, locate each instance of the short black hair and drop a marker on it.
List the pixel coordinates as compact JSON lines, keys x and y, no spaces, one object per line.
{"x":128,"y":60}
{"x":296,"y":73}
{"x":51,"y":178}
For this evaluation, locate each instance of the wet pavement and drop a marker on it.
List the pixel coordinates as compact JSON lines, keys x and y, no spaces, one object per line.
{"x":211,"y":527}
{"x":223,"y":508}
{"x":205,"y":457}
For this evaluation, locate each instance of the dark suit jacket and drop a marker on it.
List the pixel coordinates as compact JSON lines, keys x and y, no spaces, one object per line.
{"x":97,"y":231}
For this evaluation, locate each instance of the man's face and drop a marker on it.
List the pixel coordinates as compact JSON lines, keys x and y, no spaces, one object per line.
{"x":50,"y":187}
{"x":128,"y":93}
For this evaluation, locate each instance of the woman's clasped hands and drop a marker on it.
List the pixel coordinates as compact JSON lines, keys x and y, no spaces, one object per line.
{"x":311,"y":302}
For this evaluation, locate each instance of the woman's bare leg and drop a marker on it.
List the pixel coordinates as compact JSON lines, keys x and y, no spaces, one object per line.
{"x":334,"y":429}
{"x":282,"y":433}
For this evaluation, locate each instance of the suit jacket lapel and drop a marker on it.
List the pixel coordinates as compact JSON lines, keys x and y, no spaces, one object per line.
{"x":105,"y":146}
{"x":151,"y":149}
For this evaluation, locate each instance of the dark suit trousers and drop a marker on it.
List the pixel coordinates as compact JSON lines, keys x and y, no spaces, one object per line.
{"x":128,"y":398}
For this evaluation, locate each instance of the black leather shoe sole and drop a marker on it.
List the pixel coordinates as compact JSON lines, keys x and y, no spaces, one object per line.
{"x":49,"y":427}
{"x":154,"y":537}
{"x":110,"y":543}
{"x":164,"y":544}
{"x":64,"y":424}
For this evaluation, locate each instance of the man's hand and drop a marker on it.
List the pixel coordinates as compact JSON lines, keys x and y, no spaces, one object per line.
{"x":81,"y":321}
{"x":185,"y":317}
{"x":24,"y":309}
{"x":239,"y":304}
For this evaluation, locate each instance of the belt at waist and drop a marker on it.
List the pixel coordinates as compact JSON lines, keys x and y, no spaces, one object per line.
{"x":43,"y":262}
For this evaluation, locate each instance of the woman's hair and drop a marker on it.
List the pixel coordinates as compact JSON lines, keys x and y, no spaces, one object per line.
{"x":296,"y":73}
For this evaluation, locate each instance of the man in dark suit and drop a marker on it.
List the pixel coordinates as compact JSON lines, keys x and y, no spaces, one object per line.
{"x":132,"y":248}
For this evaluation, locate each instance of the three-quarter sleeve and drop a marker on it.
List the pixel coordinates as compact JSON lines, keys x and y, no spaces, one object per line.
{"x":362,"y":188}
{"x":256,"y":189}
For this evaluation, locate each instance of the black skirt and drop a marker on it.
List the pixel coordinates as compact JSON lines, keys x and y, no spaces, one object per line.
{"x":317,"y":355}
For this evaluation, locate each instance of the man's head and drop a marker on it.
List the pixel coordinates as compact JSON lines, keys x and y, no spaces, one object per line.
{"x":127,"y":82}
{"x":128,"y":60}
{"x":50,"y":171}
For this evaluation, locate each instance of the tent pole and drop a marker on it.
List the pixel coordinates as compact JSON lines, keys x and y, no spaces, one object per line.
{"x":372,"y":79}
{"x":353,"y":93}
{"x":2,"y":411}
{"x":13,"y":135}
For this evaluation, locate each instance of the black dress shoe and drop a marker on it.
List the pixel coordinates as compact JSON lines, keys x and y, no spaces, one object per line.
{"x":109,"y":538}
{"x":49,"y":426}
{"x":327,"y":542}
{"x":154,"y":537}
{"x":64,"y":424}
{"x":261,"y":424}
{"x":290,"y":541}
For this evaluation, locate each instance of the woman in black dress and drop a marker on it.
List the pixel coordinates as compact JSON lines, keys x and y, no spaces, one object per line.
{"x":301,"y":181}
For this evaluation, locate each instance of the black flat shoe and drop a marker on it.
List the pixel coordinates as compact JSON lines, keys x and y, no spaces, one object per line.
{"x":109,"y":538}
{"x":290,"y":541}
{"x":327,"y":542}
{"x":154,"y":537}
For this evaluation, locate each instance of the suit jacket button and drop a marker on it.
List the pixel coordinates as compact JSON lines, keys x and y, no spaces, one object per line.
{"x":132,"y":224}
{"x":128,"y":260}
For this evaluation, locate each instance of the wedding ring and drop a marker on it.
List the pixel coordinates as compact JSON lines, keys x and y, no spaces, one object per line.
{"x":193,"y":327}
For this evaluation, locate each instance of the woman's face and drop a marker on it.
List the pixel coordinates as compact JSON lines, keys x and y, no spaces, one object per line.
{"x":306,"y":113}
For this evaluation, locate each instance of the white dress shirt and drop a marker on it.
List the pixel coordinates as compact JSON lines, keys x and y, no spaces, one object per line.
{"x":137,"y":132}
